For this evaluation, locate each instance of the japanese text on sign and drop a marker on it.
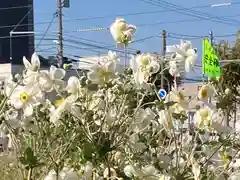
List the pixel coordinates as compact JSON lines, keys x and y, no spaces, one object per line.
{"x":210,"y":60}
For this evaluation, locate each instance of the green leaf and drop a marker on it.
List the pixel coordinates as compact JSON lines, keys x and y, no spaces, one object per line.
{"x":105,"y":148}
{"x":28,"y":159}
{"x":88,"y":150}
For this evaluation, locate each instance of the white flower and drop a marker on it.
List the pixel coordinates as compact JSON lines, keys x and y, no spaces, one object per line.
{"x":34,"y":65}
{"x":29,"y":124}
{"x":178,"y":97}
{"x":129,"y":171}
{"x":62,"y":106}
{"x":113,"y":56}
{"x":25,"y":97}
{"x":73,"y":86}
{"x":53,"y":79}
{"x":235,"y":164}
{"x":173,"y":68}
{"x":149,"y":170}
{"x":122,"y":32}
{"x":104,"y":71}
{"x":203,"y":117}
{"x":143,"y":66}
{"x":52,"y":175}
{"x":235,"y":176}
{"x":185,"y":52}
{"x":165,"y":119}
{"x":32,"y":69}
{"x":68,"y":174}
{"x":205,"y":92}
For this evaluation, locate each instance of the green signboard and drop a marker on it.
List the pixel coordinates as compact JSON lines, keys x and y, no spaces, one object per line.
{"x":210,"y":61}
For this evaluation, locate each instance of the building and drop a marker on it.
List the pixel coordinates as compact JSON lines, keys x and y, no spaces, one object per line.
{"x":12,"y":12}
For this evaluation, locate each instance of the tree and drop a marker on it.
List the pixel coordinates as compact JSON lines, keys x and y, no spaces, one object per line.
{"x":229,"y":82}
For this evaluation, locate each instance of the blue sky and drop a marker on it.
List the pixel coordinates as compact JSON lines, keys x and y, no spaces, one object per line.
{"x":112,"y":8}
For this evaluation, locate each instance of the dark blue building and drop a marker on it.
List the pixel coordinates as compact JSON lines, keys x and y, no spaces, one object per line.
{"x":11,"y":13}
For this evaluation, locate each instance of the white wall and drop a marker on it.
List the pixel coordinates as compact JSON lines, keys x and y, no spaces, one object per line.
{"x":5,"y":71}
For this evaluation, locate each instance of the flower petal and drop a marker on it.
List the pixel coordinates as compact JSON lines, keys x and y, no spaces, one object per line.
{"x":57,"y":73}
{"x":93,"y":76}
{"x":73,"y":85}
{"x":35,"y":61}
{"x":28,"y":110}
{"x":26,"y":63}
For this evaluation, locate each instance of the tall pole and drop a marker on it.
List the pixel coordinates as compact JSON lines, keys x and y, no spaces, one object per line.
{"x":211,"y":42}
{"x":164,"y":44}
{"x":211,"y":37}
{"x":60,"y":34}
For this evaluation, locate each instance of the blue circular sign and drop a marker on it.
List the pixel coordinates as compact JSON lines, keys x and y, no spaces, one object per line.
{"x":162,"y":93}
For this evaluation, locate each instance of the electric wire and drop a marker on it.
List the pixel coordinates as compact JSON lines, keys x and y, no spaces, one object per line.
{"x":186,"y":11}
{"x":119,"y":15}
{"x":101,"y":43}
{"x":198,"y":12}
{"x":23,"y":18}
{"x":48,"y":27}
{"x":14,"y":7}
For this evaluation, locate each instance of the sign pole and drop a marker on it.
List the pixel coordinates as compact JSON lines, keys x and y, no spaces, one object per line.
{"x":211,"y":41}
{"x":164,"y":44}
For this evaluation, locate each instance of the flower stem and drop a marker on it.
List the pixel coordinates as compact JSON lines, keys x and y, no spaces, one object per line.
{"x":30,"y":174}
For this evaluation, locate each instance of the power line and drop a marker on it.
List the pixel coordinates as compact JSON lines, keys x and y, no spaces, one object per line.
{"x":14,"y":7}
{"x":115,"y":15}
{"x":188,"y":11}
{"x":101,"y":43}
{"x":100,"y":47}
{"x":46,"y":50}
{"x":23,"y":18}
{"x":54,"y":16}
{"x":198,"y":12}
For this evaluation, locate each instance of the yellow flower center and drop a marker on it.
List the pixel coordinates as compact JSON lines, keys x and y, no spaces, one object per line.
{"x":204,"y":92}
{"x":24,"y":97}
{"x":59,"y":102}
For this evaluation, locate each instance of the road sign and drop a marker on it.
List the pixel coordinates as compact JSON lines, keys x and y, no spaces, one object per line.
{"x":162,"y":93}
{"x":210,"y":60}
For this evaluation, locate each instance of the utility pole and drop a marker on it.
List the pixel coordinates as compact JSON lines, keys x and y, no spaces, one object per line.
{"x":211,"y":42}
{"x":60,"y":34}
{"x":164,"y":44}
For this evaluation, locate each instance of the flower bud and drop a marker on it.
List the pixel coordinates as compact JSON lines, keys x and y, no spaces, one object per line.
{"x":67,"y":66}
